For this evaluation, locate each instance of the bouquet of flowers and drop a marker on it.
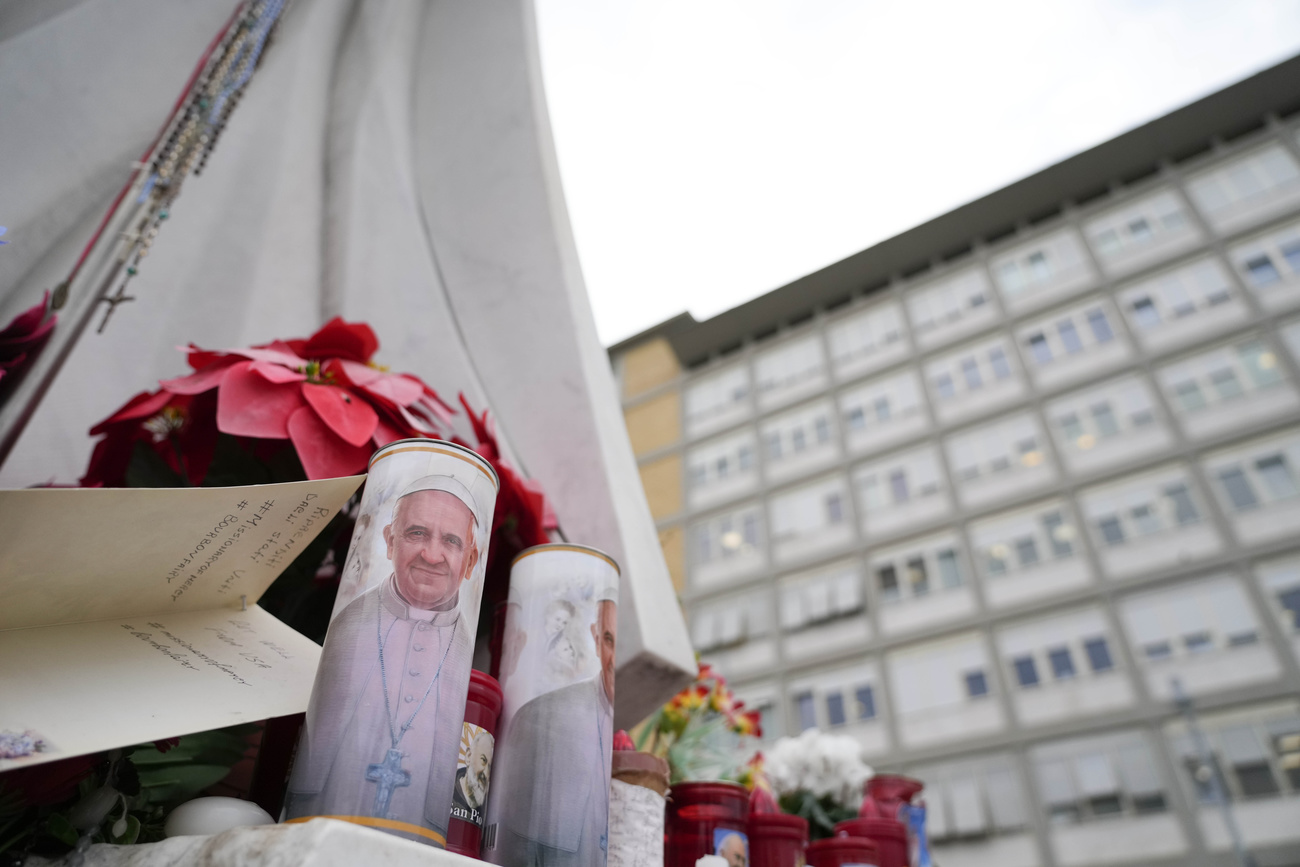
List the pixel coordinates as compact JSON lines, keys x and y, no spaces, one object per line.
{"x":702,"y":731}
{"x":818,"y":776}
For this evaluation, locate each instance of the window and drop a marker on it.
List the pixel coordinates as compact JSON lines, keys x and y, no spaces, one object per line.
{"x":1062,"y":662}
{"x":717,"y":395}
{"x":1198,"y":642}
{"x":882,"y":403}
{"x":916,"y":575}
{"x":835,"y":709}
{"x":1145,"y":312}
{"x":1105,"y":419}
{"x":898,"y":486}
{"x":866,"y":703}
{"x":1178,"y":294}
{"x":1111,"y":531}
{"x":1225,"y":383}
{"x":1026,"y":551}
{"x":807,"y":711}
{"x":1100,"y":326}
{"x":1261,"y":271}
{"x":1184,"y":510}
{"x":869,"y":334}
{"x":969,"y":372}
{"x":998,"y":361}
{"x":1238,"y":489}
{"x":1039,"y":265}
{"x":888,"y":578}
{"x":1290,"y":602}
{"x":1069,"y":336}
{"x":726,"y":536}
{"x":823,"y":427}
{"x":1058,"y":534}
{"x":1098,"y":654}
{"x":1062,"y":336}
{"x":1277,"y":476}
{"x":1157,"y":650}
{"x":1136,"y":226}
{"x":976,"y":684}
{"x":1189,"y":396}
{"x":946,"y":303}
{"x":1039,"y":349}
{"x":788,"y":365}
{"x":1247,"y":182}
{"x":834,"y":509}
{"x":1026,"y":671}
{"x":949,"y":573}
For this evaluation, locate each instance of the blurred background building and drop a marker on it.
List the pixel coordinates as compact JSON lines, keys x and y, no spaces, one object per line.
{"x":979,"y":494}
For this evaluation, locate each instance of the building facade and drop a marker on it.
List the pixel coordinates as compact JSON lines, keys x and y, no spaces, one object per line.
{"x":987,"y":495}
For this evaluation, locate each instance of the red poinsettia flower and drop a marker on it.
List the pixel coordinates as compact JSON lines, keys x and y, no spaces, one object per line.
{"x":22,"y":338}
{"x":323,"y":394}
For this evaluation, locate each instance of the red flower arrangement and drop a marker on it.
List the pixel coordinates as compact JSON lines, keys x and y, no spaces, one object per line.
{"x":323,"y":394}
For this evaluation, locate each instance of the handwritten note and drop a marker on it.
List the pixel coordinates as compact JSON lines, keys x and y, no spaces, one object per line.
{"x":85,"y":687}
{"x":70,"y":555}
{"x":130,"y":615}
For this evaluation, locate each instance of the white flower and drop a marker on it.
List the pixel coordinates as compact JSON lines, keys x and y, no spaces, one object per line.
{"x":821,"y":763}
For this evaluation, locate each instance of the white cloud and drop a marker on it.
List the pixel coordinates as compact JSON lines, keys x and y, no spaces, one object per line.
{"x":715,"y":150}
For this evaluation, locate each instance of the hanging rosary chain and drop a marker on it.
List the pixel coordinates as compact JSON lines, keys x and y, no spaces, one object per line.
{"x":396,"y":738}
{"x":194,"y":129}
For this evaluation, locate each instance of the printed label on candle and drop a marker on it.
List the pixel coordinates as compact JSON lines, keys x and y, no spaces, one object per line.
{"x":732,"y":846}
{"x":473,"y":774}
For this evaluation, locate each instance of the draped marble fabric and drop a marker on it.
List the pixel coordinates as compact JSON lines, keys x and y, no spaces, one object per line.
{"x":391,"y":162}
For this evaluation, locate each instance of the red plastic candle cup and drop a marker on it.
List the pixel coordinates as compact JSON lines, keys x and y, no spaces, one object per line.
{"x":889,"y":836}
{"x":705,"y":818}
{"x":474,"y":765}
{"x":777,"y":840}
{"x":843,"y":852}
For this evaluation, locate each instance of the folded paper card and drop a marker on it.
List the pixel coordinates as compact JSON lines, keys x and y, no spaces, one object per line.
{"x":130,"y":615}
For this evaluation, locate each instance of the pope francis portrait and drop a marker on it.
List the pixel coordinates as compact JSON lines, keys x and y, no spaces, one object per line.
{"x":383,"y":728}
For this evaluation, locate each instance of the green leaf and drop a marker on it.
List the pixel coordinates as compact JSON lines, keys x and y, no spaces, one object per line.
{"x":178,"y":783}
{"x":131,"y":834}
{"x":58,"y":827}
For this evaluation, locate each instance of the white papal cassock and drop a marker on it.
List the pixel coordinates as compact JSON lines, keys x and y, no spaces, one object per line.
{"x":349,"y":729}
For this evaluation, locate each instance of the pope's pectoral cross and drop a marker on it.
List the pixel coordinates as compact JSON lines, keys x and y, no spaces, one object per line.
{"x":387,"y":776}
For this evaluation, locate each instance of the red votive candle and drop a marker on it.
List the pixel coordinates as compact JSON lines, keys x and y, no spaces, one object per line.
{"x":474,"y":764}
{"x":843,"y":852}
{"x":705,"y":818}
{"x":777,"y":840}
{"x":889,"y":836}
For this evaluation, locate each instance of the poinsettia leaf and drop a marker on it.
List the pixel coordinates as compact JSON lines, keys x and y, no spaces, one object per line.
{"x":350,"y":417}
{"x":323,"y":453}
{"x":142,"y":405}
{"x":249,"y":405}
{"x":401,"y":390}
{"x":197,"y":382}
{"x":277,"y":373}
{"x":339,"y":339}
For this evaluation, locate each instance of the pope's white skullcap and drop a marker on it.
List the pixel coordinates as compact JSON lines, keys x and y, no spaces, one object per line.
{"x":608,"y":591}
{"x":441,"y":483}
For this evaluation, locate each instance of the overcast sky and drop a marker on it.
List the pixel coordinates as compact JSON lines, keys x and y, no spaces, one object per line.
{"x":713,"y":150}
